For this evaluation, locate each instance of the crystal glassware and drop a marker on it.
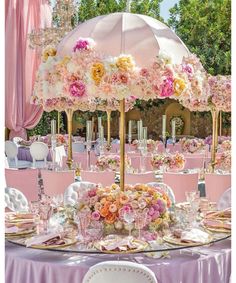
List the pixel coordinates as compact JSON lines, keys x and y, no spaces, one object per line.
{"x":129,"y":219}
{"x":45,"y":213}
{"x":82,"y":218}
{"x":140,"y":218}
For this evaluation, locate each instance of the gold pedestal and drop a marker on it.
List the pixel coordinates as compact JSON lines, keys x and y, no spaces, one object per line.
{"x":108,"y":147}
{"x":58,"y":122}
{"x":122,"y":144}
{"x":220,"y":130}
{"x":215,"y":115}
{"x":69,"y":114}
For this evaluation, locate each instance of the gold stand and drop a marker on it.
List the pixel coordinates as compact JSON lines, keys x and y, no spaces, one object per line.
{"x":58,"y":122}
{"x":108,"y":147}
{"x":69,"y":114}
{"x":220,"y":130}
{"x":215,"y":115}
{"x":122,"y":145}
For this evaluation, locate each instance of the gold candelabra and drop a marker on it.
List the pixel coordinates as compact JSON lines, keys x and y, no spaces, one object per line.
{"x":69,"y":114}
{"x":215,"y":115}
{"x":108,"y":147}
{"x":122,"y":144}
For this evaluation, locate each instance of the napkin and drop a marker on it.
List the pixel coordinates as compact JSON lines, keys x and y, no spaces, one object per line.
{"x":194,"y":235}
{"x":219,"y":214}
{"x":214,"y":223}
{"x":121,"y":244}
{"x":49,"y":239}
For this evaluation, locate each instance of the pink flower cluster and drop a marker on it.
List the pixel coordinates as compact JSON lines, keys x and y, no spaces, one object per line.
{"x":111,"y":162}
{"x":192,"y":145}
{"x":169,"y":161}
{"x":223,"y":161}
{"x":83,"y":44}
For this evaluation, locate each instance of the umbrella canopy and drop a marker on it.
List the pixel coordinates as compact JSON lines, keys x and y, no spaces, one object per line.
{"x":124,"y":33}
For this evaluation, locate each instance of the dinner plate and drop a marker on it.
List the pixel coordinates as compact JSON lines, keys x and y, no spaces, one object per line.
{"x":217,"y":230}
{"x":15,"y":219}
{"x":141,"y":245}
{"x":68,"y":242}
{"x":172,"y":240}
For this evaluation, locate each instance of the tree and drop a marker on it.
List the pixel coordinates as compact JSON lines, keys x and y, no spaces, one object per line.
{"x":205,"y":27}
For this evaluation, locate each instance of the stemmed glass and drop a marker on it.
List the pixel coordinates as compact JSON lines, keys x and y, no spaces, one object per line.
{"x":82,"y":218}
{"x":129,"y":219}
{"x":140,"y":218}
{"x":194,"y":200}
{"x":45,"y":212}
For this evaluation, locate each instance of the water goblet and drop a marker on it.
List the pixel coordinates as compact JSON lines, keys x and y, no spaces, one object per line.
{"x":140,"y":221}
{"x":45,"y":213}
{"x":129,"y":219}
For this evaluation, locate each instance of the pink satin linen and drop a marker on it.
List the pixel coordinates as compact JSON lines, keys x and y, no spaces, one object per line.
{"x":25,"y":265}
{"x":21,"y":63}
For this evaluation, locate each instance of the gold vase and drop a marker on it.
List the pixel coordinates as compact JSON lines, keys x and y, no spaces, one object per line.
{"x":108,"y":147}
{"x":122,"y":144}
{"x":69,"y":114}
{"x":215,"y":115}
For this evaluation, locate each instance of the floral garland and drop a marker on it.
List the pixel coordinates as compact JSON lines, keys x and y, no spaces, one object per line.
{"x":108,"y":205}
{"x":179,"y":124}
{"x":76,"y":81}
{"x":170,"y":161}
{"x":111,"y":162}
{"x":192,"y":145}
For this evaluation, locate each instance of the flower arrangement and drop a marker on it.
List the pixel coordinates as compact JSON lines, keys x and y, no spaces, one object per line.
{"x":192,"y":145}
{"x":111,"y":162}
{"x":151,"y":144}
{"x":221,"y":139}
{"x":226,"y":145}
{"x":170,"y":161}
{"x":223,"y":161}
{"x":179,"y":124}
{"x":108,"y":205}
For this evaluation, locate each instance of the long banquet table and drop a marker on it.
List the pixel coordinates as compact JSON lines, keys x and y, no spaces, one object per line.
{"x":210,"y":264}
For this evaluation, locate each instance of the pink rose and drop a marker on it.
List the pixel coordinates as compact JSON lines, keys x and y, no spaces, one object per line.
{"x":77,"y":89}
{"x":96,"y":215}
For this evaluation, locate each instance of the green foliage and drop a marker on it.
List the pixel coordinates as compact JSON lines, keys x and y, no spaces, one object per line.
{"x":44,"y":126}
{"x":205,"y":27}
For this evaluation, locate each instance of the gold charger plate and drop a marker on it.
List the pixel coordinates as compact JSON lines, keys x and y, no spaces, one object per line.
{"x":141,"y":245}
{"x":68,"y":242}
{"x":17,"y":220}
{"x":21,"y":233}
{"x":217,"y":230}
{"x":172,"y":240}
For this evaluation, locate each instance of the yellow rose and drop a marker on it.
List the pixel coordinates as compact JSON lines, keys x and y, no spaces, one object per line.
{"x":97,"y":72}
{"x":125,"y":63}
{"x":179,"y":86}
{"x":48,"y":51}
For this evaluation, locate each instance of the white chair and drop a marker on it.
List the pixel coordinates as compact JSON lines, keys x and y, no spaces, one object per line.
{"x":167,"y":189}
{"x":6,"y":163}
{"x":11,"y":151}
{"x":60,"y":153}
{"x":225,"y":200}
{"x":76,"y":189}
{"x":16,"y":140}
{"x":78,"y":146}
{"x":39,"y":152}
{"x":15,"y":200}
{"x":119,"y":271}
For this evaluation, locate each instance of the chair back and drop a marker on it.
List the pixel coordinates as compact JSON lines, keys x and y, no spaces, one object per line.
{"x":39,"y":151}
{"x":55,"y":182}
{"x":140,"y":178}
{"x":115,"y":147}
{"x":15,"y":200}
{"x":25,"y":180}
{"x":119,"y":271}
{"x":75,"y":190}
{"x":225,"y":200}
{"x":216,"y":185}
{"x":11,"y":149}
{"x":181,"y":183}
{"x":135,"y":161}
{"x":105,"y":178}
{"x":78,"y":146}
{"x":194,"y":162}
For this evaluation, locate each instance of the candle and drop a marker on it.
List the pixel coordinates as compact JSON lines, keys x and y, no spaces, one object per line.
{"x":101,"y":134}
{"x":89,"y":131}
{"x":130,"y":129}
{"x":163,"y":125}
{"x":145,"y":133}
{"x":138,"y":129}
{"x":53,"y":127}
{"x":99,"y":122}
{"x":141,"y":129}
{"x":173,"y":128}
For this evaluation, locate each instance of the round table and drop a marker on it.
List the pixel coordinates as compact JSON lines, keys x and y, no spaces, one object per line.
{"x":210,"y":264}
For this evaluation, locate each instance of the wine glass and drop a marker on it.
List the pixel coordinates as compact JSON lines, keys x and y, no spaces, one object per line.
{"x":45,"y":213}
{"x":140,"y":221}
{"x":82,"y":218}
{"x":129,"y":219}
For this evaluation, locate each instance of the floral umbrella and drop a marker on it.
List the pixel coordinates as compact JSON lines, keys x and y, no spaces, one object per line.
{"x":82,"y":73}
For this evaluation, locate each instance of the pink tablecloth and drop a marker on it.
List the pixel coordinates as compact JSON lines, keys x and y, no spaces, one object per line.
{"x":212,"y":265}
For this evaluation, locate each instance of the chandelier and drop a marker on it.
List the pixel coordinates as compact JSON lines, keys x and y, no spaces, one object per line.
{"x":64,"y":18}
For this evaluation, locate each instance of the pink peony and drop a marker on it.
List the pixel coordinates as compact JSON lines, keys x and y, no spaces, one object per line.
{"x":81,"y":45}
{"x":92,"y":193}
{"x":77,"y":89}
{"x":167,"y":88}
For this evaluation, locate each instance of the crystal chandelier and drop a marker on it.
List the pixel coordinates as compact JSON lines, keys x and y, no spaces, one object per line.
{"x":64,"y":18}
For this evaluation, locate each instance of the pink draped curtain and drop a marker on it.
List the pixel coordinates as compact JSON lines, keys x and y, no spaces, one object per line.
{"x":21,"y":63}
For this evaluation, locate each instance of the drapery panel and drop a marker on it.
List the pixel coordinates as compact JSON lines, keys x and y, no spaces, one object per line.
{"x":21,"y":62}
